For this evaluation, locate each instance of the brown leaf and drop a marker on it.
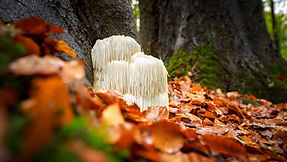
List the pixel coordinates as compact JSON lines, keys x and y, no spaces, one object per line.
{"x":147,"y":152}
{"x":62,"y":46}
{"x":72,"y":72}
{"x":112,"y":115}
{"x":189,"y":133}
{"x":166,"y":136}
{"x":85,"y":153}
{"x":32,"y":48}
{"x":47,"y":110}
{"x":55,"y":45}
{"x":218,"y":102}
{"x":207,"y":122}
{"x":225,"y":146}
{"x":200,"y":158}
{"x":35,"y":25}
{"x":31,"y":65}
{"x":156,"y":113}
{"x":111,"y":97}
{"x":196,"y":88}
{"x":234,"y":108}
{"x":123,"y":135}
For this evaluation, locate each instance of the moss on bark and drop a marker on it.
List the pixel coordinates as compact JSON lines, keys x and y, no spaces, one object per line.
{"x":208,"y":68}
{"x":204,"y":65}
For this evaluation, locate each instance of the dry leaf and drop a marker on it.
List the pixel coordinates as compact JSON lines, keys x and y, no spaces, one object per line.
{"x":47,"y":110}
{"x":85,"y":153}
{"x":58,"y":46}
{"x":166,"y":136}
{"x":112,"y":115}
{"x":31,"y":65}
{"x":225,"y":146}
{"x":32,"y":48}
{"x":35,"y":25}
{"x":156,"y":113}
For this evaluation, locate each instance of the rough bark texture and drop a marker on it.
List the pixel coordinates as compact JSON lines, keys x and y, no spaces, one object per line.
{"x":274,"y":26}
{"x":236,"y":28}
{"x":85,"y":20}
{"x":149,"y":27}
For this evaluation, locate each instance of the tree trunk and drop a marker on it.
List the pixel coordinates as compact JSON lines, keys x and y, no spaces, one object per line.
{"x":237,"y":31}
{"x":275,"y":27}
{"x":86,"y":21}
{"x":149,"y":27}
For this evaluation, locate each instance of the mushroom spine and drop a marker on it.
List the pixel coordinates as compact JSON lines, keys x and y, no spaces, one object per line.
{"x":119,"y":65}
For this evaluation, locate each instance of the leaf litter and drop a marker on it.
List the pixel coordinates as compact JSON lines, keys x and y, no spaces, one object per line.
{"x":199,"y":125}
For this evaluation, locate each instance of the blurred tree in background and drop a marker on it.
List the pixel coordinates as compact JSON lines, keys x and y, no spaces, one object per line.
{"x":279,"y":17}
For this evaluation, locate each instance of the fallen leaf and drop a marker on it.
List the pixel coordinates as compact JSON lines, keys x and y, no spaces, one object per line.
{"x":47,"y":110}
{"x":112,"y":115}
{"x":32,"y":48}
{"x":196,"y":88}
{"x":59,"y":46}
{"x":85,"y":153}
{"x":156,"y":113}
{"x":194,"y":157}
{"x":35,"y":25}
{"x":73,"y":72}
{"x":234,"y":108}
{"x":166,"y":136}
{"x":31,"y":65}
{"x":225,"y":146}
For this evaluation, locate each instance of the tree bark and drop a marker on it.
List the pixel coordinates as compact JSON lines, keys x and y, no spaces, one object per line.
{"x":149,"y":27}
{"x":275,"y":27}
{"x":86,"y":21}
{"x":236,"y":28}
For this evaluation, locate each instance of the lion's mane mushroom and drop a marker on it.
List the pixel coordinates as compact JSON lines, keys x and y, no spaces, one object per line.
{"x":120,"y":65}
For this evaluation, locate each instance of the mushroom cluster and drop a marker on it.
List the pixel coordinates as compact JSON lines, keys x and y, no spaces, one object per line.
{"x":119,"y":65}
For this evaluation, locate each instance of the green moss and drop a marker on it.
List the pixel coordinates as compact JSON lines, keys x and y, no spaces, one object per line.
{"x":9,"y":50}
{"x":56,"y":150}
{"x":179,"y":64}
{"x":247,"y":101}
{"x":204,"y":62}
{"x":262,"y":84}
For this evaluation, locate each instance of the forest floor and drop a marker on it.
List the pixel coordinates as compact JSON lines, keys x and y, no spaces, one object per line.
{"x":47,"y":114}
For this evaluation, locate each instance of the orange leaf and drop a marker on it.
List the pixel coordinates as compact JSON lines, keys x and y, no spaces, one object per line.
{"x":72,"y":72}
{"x":189,"y":133}
{"x":209,"y":115}
{"x":166,"y":136}
{"x":197,"y":88}
{"x":126,"y":135}
{"x":234,"y":108}
{"x":112,"y":97}
{"x":87,"y":154}
{"x":225,"y":146}
{"x":206,"y":121}
{"x":112,"y":115}
{"x":218,"y":102}
{"x":156,"y":113}
{"x":47,"y":110}
{"x":31,"y":65}
{"x":62,"y":46}
{"x":32,"y":48}
{"x":200,"y":158}
{"x":35,"y":25}
{"x":251,"y":97}
{"x":59,"y":46}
